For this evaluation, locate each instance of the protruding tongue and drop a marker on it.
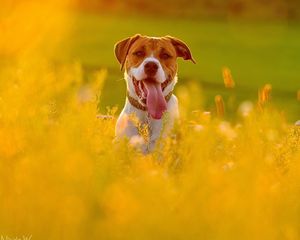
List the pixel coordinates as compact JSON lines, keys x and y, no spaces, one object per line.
{"x":156,"y":102}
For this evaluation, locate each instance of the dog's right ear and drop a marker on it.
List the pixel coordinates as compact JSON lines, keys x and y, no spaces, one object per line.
{"x":122,"y":48}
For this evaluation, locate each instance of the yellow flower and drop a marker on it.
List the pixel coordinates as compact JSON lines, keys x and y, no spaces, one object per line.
{"x":220,"y":107}
{"x":228,"y":80}
{"x":264,"y":94}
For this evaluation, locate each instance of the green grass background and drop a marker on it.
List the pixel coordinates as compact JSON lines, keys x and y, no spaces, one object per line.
{"x":256,"y":52}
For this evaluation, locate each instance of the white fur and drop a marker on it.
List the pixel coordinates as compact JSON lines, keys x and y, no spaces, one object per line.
{"x":139,"y":72}
{"x":125,"y":127}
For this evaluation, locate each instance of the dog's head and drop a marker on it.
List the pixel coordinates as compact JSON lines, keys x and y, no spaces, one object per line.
{"x":150,"y":63}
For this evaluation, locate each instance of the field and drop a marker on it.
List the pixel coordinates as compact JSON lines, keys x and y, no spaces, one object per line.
{"x":257,"y":54}
{"x":230,"y":170}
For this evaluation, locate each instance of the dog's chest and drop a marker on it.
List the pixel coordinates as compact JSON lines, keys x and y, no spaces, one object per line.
{"x":144,"y":120}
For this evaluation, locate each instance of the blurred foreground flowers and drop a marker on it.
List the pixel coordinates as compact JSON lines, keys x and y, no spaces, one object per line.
{"x":60,"y":169}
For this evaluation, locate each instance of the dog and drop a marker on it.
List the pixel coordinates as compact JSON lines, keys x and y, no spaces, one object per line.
{"x":150,"y":72}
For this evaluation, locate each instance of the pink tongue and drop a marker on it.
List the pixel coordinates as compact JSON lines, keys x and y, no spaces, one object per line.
{"x":156,"y":102}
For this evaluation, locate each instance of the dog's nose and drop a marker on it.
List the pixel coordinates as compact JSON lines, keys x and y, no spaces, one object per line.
{"x":151,"y":68}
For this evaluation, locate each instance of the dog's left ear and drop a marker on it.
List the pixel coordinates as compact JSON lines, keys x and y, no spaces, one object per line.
{"x":181,"y":48}
{"x":122,"y":48}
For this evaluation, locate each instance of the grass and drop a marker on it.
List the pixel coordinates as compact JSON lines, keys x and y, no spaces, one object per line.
{"x":63,"y":177}
{"x":258,"y":53}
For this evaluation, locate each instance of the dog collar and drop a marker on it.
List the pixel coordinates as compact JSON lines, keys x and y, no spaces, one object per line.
{"x":134,"y":102}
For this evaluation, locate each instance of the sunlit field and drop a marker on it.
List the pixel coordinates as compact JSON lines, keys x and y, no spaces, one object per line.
{"x":257,"y":53}
{"x":229,"y":170}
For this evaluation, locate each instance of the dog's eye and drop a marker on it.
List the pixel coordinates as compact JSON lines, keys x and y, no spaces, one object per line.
{"x":139,"y":53}
{"x":165,"y":56}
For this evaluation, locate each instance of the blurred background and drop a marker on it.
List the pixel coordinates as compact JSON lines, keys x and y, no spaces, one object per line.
{"x":258,"y":40}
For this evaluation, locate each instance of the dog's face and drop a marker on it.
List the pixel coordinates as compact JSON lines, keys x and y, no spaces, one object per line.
{"x":150,"y":62}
